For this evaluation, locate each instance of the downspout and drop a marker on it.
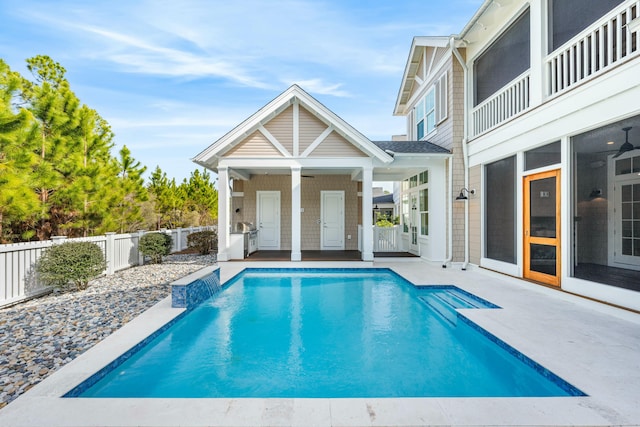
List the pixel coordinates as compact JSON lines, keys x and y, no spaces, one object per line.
{"x":450,"y":222}
{"x":465,"y":151}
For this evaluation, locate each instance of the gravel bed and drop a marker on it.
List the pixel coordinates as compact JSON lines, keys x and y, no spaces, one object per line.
{"x":39,"y":336}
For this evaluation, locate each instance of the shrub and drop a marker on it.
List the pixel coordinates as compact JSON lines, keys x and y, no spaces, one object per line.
{"x":203,"y":241}
{"x":155,"y":246}
{"x":71,"y":265}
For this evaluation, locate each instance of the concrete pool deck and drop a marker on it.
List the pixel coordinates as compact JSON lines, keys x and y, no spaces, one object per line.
{"x":593,"y":346}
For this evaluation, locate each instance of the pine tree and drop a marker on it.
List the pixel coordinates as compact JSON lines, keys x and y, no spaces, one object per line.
{"x":55,"y":109}
{"x":17,"y":201}
{"x":201,"y":197}
{"x":131,"y":192}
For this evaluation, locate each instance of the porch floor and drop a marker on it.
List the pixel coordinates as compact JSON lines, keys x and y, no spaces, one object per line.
{"x":322,"y":255}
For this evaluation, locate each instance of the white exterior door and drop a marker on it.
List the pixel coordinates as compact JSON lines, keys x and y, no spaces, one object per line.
{"x":626,"y":251}
{"x":414,"y":224}
{"x":268,"y":216}
{"x":332,"y":220}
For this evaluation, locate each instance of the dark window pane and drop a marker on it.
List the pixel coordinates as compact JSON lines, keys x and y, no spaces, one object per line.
{"x":627,"y":212}
{"x":542,"y":156}
{"x":420,"y":129}
{"x":500,"y":214}
{"x":636,"y":192}
{"x":567,"y":18}
{"x":636,"y":210}
{"x":627,"y":246}
{"x":543,"y":207}
{"x":636,"y":247}
{"x":636,"y":229}
{"x":627,"y":228}
{"x":623,"y":166}
{"x":636,"y":164}
{"x":543,"y":259}
{"x":507,"y":58}
{"x":424,"y":224}
{"x":626,"y":193}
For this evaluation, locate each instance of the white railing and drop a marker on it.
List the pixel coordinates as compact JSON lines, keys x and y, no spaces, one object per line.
{"x":387,"y":239}
{"x":18,"y":279}
{"x":606,"y":43}
{"x":510,"y":101}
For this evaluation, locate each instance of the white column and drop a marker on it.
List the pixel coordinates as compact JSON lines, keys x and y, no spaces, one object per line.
{"x":538,"y":78}
{"x":223,"y":213}
{"x":367,"y":213}
{"x":296,"y":238}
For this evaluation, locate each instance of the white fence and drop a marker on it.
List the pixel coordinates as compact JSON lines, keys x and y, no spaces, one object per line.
{"x":18,"y":279}
{"x":387,"y":239}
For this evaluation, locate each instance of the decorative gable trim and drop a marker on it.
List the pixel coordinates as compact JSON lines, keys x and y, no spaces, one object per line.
{"x":317,"y":141}
{"x":274,"y":141}
{"x":296,"y":97}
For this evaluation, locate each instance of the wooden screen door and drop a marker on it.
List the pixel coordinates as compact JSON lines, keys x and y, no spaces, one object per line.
{"x":542,"y":227}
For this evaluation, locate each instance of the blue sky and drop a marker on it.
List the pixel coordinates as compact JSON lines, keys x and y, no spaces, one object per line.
{"x":171,"y":77}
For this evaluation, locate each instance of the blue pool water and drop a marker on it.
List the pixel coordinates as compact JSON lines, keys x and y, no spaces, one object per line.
{"x":326,"y":333}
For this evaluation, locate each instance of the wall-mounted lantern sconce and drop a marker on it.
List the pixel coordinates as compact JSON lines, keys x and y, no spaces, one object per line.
{"x":595,"y":193}
{"x":462,"y":196}
{"x":237,"y":210}
{"x":375,"y":207}
{"x":414,"y":207}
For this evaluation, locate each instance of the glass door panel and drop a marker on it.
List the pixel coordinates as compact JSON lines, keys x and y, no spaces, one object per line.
{"x":542,"y":227}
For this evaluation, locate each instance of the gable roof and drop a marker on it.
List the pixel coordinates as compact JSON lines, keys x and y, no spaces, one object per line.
{"x":413,"y":65}
{"x":294,"y":94}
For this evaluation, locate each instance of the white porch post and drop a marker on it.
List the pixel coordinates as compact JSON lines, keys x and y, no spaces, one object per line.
{"x":296,"y":254}
{"x":223,"y":213}
{"x":367,"y":213}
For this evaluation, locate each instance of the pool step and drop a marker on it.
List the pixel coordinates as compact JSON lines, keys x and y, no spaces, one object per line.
{"x":445,"y":302}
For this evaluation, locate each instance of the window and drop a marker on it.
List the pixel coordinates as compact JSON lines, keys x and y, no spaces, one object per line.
{"x":405,"y":213}
{"x":507,"y":58}
{"x":424,"y":212}
{"x":415,"y":205}
{"x":425,"y":115}
{"x":569,"y":17}
{"x":431,"y":109}
{"x":500,"y":213}
{"x":542,"y":156}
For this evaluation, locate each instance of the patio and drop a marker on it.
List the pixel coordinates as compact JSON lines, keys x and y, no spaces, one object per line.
{"x":593,"y":346}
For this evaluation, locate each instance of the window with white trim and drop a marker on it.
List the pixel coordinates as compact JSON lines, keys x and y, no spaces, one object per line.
{"x":416,"y":187}
{"x":431,"y":109}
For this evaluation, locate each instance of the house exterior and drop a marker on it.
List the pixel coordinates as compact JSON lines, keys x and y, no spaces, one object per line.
{"x":304,"y":177}
{"x":551,"y":95}
{"x":431,"y":97}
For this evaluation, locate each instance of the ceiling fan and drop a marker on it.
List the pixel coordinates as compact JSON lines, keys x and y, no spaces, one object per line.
{"x":627,"y":146}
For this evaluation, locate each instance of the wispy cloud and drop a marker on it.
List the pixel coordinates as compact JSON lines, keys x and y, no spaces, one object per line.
{"x":318,"y":86}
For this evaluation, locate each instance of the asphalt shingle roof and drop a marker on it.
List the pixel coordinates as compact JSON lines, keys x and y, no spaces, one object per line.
{"x":407,"y":147}
{"x":386,"y":198}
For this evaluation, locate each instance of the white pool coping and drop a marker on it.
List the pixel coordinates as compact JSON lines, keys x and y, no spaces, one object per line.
{"x":593,"y":346}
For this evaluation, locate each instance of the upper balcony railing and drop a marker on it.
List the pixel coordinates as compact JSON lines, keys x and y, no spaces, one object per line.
{"x":606,"y":43}
{"x":508,"y":102}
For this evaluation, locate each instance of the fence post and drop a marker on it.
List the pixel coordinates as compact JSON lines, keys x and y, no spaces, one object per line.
{"x":179,"y":239}
{"x":109,"y":252}
{"x":140,"y":254}
{"x":57,"y":240}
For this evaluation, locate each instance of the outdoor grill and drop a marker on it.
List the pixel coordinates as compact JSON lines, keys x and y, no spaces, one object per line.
{"x":250,"y":233}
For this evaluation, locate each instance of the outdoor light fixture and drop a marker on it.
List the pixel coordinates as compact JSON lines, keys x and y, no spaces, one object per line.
{"x":595,"y":193}
{"x":461,"y":196}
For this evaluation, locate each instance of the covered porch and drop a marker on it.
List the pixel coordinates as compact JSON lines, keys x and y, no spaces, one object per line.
{"x":304,"y":178}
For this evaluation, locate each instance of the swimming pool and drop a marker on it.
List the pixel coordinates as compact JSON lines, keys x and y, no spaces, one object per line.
{"x":326,"y":333}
